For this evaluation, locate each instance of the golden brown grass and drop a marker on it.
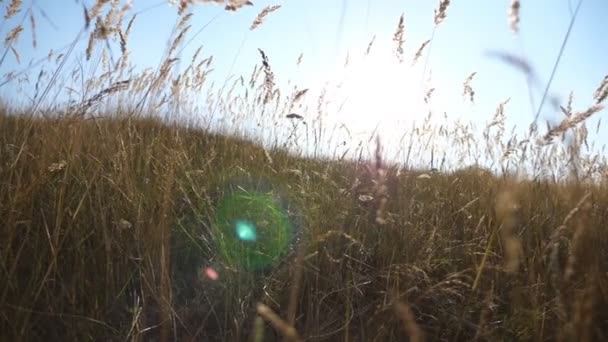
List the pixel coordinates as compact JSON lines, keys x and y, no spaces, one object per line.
{"x":95,"y":214}
{"x":13,"y":8}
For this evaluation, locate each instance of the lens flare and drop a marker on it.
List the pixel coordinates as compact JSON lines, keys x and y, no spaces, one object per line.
{"x":211,"y":273}
{"x":245,"y":231}
{"x":252,"y":227}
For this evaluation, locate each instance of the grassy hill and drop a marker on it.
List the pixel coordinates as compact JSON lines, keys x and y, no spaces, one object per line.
{"x":111,"y":230}
{"x":119,"y":226}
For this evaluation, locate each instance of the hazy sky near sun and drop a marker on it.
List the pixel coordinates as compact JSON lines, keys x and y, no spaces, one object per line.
{"x":376,"y":88}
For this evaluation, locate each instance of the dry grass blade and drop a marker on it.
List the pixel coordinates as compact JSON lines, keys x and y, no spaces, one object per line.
{"x":369,"y":46}
{"x":419,"y":52}
{"x":129,"y":25}
{"x":234,"y":5}
{"x":97,"y":8}
{"x":440,"y":12}
{"x":514,"y":15}
{"x":268,"y":77}
{"x":178,"y":40}
{"x":576,"y":209}
{"x":183,"y":21}
{"x":288,"y":331}
{"x":259,"y":19}
{"x":101,"y":31}
{"x":33,"y":28}
{"x":299,"y":95}
{"x":184,"y":4}
{"x":13,"y":35}
{"x":580,"y":238}
{"x":601,"y":93}
{"x":571,"y":121}
{"x":90,"y":46}
{"x":14,"y":51}
{"x":123,"y":48}
{"x":93,"y":100}
{"x":87,"y":17}
{"x":515,"y":61}
{"x":468,"y":90}
{"x":568,"y":109}
{"x":427,"y":96}
{"x":399,"y":39}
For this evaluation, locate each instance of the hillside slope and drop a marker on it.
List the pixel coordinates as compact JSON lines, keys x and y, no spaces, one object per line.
{"x":121,"y":229}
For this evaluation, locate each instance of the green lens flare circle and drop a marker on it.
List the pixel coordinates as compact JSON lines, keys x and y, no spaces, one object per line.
{"x":252,"y":229}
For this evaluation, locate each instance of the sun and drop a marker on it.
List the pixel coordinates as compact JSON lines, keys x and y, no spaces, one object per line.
{"x":382,"y":94}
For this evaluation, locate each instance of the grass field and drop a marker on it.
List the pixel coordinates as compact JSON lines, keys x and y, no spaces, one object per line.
{"x":117,"y":225}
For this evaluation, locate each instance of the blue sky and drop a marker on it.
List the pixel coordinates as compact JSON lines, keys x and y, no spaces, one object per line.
{"x":324,"y":31}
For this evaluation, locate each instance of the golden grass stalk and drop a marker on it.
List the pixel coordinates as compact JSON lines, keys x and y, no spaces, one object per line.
{"x":259,"y":19}
{"x":258,"y":329}
{"x":13,"y":8}
{"x":13,"y":35}
{"x":506,"y":212}
{"x":288,"y":331}
{"x":404,"y":312}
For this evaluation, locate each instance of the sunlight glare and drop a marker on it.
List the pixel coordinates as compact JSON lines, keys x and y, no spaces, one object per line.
{"x":379,"y":91}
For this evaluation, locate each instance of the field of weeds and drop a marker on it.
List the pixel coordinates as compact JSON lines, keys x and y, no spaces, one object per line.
{"x":117,"y":224}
